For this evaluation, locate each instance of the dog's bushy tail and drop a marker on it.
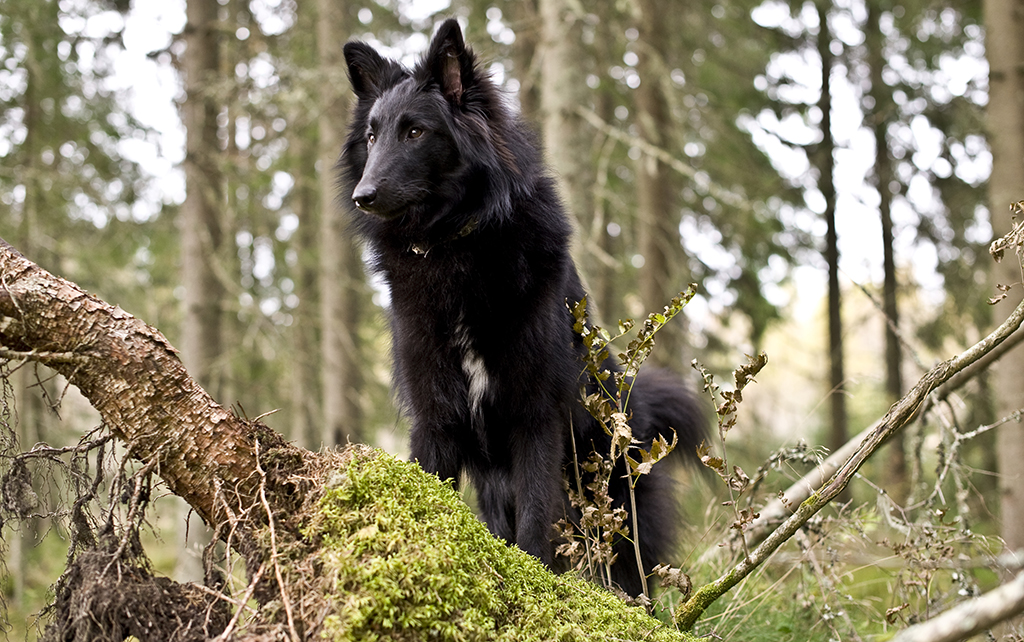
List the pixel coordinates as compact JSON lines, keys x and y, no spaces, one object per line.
{"x":660,"y":403}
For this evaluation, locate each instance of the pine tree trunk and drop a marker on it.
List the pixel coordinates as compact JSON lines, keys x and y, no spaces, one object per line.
{"x":305,"y":358}
{"x":657,"y":208}
{"x":28,"y":406}
{"x":341,"y":270}
{"x":606,"y":282}
{"x":305,"y":362}
{"x":201,"y":233}
{"x":1003,"y":25}
{"x":826,"y":172}
{"x":896,"y":468}
{"x":563,"y":89}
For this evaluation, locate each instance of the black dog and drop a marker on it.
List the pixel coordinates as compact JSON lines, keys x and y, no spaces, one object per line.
{"x":464,"y":223}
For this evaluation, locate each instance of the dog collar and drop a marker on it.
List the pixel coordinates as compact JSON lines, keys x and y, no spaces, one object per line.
{"x":421,"y":249}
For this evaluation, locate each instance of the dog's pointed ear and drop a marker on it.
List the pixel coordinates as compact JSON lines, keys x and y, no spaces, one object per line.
{"x":370,"y":73}
{"x":450,"y":63}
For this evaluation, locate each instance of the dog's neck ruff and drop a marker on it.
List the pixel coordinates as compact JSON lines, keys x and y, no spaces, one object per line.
{"x":422,"y":249}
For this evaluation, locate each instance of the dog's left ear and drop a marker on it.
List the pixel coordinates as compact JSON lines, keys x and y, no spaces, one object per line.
{"x":450,"y":63}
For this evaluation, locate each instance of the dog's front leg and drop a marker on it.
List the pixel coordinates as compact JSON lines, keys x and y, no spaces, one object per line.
{"x":536,"y":478}
{"x":435,"y":449}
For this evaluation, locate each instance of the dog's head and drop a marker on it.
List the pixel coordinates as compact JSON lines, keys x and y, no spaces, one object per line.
{"x":423,"y":140}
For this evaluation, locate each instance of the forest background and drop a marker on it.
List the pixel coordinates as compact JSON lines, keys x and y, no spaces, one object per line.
{"x":830,"y":174}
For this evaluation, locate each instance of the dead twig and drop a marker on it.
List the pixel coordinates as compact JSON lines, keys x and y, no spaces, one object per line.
{"x":226,"y":634}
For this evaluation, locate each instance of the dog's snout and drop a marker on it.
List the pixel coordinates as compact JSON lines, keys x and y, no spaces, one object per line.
{"x":364,"y":196}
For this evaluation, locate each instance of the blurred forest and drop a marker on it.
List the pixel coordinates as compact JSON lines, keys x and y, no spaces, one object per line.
{"x":829,"y":173}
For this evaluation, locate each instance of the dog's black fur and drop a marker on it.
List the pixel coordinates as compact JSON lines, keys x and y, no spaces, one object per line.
{"x":464,"y":223}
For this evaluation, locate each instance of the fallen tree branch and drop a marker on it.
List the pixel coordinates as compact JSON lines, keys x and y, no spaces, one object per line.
{"x":131,"y":374}
{"x":898,"y":416}
{"x":971,"y":617}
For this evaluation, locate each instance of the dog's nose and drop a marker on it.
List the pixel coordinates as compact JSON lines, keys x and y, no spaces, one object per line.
{"x":364,"y":196}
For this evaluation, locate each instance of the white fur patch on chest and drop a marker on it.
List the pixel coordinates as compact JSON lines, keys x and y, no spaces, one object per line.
{"x":474,"y":368}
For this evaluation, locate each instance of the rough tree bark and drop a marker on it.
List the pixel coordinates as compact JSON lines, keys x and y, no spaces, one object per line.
{"x":134,"y":378}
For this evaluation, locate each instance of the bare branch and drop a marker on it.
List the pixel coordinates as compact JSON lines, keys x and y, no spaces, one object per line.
{"x":42,"y":356}
{"x":971,"y":617}
{"x":723,"y":194}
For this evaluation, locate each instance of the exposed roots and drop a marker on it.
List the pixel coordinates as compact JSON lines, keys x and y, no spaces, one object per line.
{"x":105,"y":596}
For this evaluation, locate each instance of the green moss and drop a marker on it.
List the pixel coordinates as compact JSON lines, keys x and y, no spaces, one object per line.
{"x":407,"y":560}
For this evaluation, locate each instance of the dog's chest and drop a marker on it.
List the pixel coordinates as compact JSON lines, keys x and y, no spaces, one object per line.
{"x":478,"y":379}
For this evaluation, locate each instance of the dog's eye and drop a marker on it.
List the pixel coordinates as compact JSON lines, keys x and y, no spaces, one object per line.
{"x":415,"y":132}
{"x":370,"y":139}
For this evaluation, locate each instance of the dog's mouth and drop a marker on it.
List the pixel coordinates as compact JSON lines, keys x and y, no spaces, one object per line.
{"x":376,"y":210}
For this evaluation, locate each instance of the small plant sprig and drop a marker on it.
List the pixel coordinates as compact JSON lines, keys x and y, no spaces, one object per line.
{"x":726,"y":406}
{"x":600,"y":522}
{"x":608,"y":403}
{"x":597,"y":339}
{"x":1014,"y":240}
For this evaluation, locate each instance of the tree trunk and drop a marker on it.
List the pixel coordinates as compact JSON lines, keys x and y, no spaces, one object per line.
{"x":606,"y":279}
{"x":341,"y":269}
{"x":563,"y":89}
{"x":527,"y":27}
{"x":896,"y":467}
{"x":826,"y":172}
{"x":657,"y":208}
{"x":201,"y":233}
{"x":133,"y":377}
{"x":1003,"y":25}
{"x":305,"y":360}
{"x":28,"y":399}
